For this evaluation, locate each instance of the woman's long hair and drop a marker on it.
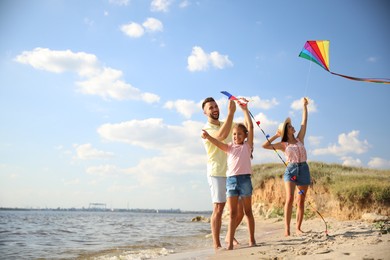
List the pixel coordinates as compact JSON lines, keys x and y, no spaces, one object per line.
{"x":285,"y":135}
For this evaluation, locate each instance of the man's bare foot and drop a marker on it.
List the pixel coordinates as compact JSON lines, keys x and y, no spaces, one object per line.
{"x":219,"y":249}
{"x":252,"y":244}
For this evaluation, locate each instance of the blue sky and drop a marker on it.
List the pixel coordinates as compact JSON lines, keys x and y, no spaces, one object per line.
{"x":100,"y":100}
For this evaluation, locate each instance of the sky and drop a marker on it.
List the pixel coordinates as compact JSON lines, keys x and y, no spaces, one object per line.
{"x":100,"y":101}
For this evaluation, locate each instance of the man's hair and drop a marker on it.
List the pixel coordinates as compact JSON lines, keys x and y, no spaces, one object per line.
{"x":209,"y":99}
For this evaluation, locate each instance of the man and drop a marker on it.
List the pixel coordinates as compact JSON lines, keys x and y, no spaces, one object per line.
{"x":217,"y":161}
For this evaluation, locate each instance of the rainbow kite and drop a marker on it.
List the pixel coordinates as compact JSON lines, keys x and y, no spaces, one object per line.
{"x":318,"y":52}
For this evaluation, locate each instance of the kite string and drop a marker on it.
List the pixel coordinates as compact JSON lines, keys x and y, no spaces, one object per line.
{"x":307,"y":79}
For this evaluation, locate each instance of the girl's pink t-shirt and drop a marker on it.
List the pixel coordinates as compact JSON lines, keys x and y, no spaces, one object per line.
{"x":295,"y":153}
{"x":239,"y":159}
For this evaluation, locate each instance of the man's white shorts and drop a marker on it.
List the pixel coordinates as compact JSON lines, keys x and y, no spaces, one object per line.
{"x":217,"y":188}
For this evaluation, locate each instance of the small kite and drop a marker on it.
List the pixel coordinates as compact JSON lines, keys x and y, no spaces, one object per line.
{"x":318,"y":52}
{"x":241,"y":101}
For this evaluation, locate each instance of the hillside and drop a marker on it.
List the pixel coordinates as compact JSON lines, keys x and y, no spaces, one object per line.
{"x":345,"y":193}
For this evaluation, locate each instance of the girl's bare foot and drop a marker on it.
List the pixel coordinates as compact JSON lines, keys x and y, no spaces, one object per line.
{"x":299,"y":232}
{"x":235,"y":242}
{"x":287,"y":233}
{"x":252,"y":244}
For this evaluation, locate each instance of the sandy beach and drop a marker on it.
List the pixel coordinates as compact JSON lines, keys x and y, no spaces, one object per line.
{"x":345,"y":240}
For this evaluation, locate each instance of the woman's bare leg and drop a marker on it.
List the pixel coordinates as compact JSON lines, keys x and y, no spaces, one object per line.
{"x":290,"y":187}
{"x":301,"y":207}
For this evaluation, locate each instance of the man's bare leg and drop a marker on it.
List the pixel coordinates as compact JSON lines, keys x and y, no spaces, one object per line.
{"x":216,"y":223}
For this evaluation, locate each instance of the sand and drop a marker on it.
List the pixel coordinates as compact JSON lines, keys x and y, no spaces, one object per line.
{"x":345,"y":240}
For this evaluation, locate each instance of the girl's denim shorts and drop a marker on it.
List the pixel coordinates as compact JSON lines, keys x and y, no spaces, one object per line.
{"x":239,"y":185}
{"x":298,"y":173}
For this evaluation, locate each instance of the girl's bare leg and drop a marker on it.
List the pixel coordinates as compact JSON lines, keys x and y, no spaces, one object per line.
{"x":247,"y":202}
{"x":240,"y":216}
{"x":232,"y":203}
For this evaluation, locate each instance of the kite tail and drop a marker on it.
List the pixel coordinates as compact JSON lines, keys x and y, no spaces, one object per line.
{"x":383,"y":81}
{"x":326,"y":224}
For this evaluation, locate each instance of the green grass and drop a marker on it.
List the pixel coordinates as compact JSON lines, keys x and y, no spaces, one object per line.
{"x":348,"y":184}
{"x":263,"y":172}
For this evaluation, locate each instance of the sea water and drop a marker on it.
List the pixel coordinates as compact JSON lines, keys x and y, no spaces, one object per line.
{"x":98,"y":235}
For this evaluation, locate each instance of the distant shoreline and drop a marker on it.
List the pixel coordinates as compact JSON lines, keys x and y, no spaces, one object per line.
{"x":168,"y":211}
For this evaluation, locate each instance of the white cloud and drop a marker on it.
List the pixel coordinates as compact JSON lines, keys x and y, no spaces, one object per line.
{"x":119,"y":2}
{"x":380,"y":163}
{"x":82,"y":63}
{"x":257,"y":102}
{"x":184,"y":4}
{"x":136,"y":30}
{"x":115,"y":188}
{"x":109,"y":85}
{"x":297,"y":105}
{"x":179,"y":147}
{"x":102,"y":81}
{"x":200,"y":60}
{"x":87,"y":152}
{"x":183,"y":107}
{"x":104,"y":170}
{"x":350,"y":161}
{"x":315,"y":140}
{"x":347,"y":144}
{"x":269,"y":127}
{"x":160,"y":5}
{"x":89,"y":22}
{"x":152,"y":24}
{"x":219,"y":61}
{"x":149,"y":132}
{"x":132,"y":29}
{"x":72,"y":182}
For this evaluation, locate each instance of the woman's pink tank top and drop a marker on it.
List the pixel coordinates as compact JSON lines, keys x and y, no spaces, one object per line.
{"x":295,"y":153}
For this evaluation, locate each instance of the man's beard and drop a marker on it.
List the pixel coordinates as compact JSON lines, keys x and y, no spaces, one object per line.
{"x":214,"y":116}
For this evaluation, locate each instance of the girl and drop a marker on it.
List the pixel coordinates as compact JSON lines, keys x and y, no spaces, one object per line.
{"x":238,"y":183}
{"x":297,"y":172}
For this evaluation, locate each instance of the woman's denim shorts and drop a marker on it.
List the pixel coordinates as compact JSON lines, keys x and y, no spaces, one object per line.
{"x":239,"y":185}
{"x":298,"y":173}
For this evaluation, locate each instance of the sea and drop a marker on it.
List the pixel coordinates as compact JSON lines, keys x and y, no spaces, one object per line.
{"x":45,"y":234}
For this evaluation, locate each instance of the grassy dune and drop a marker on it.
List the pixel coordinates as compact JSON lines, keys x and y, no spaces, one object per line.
{"x":341,"y":191}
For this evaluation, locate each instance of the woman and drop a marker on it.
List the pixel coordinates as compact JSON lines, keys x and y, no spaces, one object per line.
{"x":297,"y":173}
